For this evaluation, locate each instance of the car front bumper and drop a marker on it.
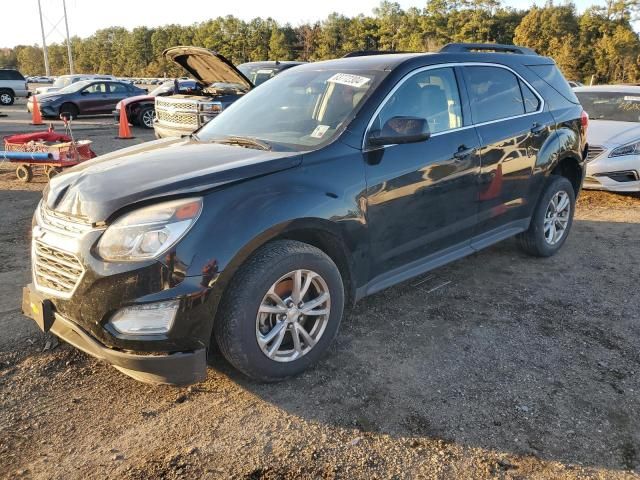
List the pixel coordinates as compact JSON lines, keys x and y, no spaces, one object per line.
{"x":178,"y":368}
{"x":615,"y":174}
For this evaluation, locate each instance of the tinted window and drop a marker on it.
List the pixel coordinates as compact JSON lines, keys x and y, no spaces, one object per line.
{"x":551,"y":75}
{"x":531,"y":102}
{"x":616,"y":106}
{"x":432,"y":94}
{"x":118,"y":88}
{"x":494,"y":93}
{"x":10,"y":75}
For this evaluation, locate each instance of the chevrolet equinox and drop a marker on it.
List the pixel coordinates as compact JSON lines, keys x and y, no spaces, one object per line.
{"x":330,"y":182}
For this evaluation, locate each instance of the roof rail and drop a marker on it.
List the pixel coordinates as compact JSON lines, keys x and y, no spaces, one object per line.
{"x":488,"y":47}
{"x":366,"y":53}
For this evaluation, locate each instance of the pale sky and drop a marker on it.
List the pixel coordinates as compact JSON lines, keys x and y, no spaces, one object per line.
{"x":87,"y":16}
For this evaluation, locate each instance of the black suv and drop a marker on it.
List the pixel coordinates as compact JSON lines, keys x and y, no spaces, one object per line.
{"x":324,"y":185}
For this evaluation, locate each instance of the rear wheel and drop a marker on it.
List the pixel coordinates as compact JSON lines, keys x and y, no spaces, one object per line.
{"x":6,"y":97}
{"x":551,"y":220}
{"x":24,"y":173}
{"x":281,"y":311}
{"x":145,"y":117}
{"x":69,"y":111}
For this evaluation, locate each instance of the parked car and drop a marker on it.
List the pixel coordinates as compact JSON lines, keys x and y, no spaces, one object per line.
{"x":86,"y":97}
{"x":141,"y":109}
{"x":223,"y":84}
{"x":12,"y":85}
{"x":613,"y":136}
{"x":330,"y":182}
{"x":259,"y":72}
{"x":65,"y":80}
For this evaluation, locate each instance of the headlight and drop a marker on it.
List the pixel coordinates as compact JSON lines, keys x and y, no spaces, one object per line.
{"x":49,"y":99}
{"x":118,"y":105}
{"x":150,"y":231}
{"x":215,"y":107}
{"x":629,"y":149}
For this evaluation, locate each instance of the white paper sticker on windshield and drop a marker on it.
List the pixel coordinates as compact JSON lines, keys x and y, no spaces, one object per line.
{"x":319,"y":131}
{"x":349,"y":79}
{"x":629,"y":98}
{"x":268,"y":72}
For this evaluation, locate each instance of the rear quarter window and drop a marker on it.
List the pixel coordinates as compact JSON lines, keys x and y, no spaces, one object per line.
{"x":551,"y":75}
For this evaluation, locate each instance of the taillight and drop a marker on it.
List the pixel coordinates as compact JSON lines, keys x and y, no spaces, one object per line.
{"x":584,"y":120}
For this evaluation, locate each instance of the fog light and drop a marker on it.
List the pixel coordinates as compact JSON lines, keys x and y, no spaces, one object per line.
{"x":148,"y":319}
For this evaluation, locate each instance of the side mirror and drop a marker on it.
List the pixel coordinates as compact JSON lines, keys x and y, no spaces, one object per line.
{"x":84,"y":92}
{"x":398,"y":130}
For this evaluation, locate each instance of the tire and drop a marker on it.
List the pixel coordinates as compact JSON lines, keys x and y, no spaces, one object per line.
{"x":238,"y":323}
{"x":145,"y":117}
{"x":7,"y":97}
{"x":69,"y":110}
{"x":539,"y":240}
{"x":52,"y":172}
{"x":24,"y":173}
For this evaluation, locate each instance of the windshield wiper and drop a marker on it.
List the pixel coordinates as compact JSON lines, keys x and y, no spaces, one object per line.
{"x":248,"y":142}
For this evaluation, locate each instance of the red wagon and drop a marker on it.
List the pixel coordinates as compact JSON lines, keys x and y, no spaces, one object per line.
{"x":62,"y":149}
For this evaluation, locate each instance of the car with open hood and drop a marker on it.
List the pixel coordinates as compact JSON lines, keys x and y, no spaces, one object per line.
{"x":324,"y":185}
{"x":221,"y":84}
{"x":613,"y":136}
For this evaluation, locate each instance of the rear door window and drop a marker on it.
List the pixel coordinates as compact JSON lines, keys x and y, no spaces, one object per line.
{"x":494,"y":94}
{"x":118,"y":88}
{"x":531,"y":102}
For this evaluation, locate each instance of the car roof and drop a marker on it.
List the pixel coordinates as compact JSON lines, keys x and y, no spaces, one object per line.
{"x":393,"y":60}
{"x":609,"y":88}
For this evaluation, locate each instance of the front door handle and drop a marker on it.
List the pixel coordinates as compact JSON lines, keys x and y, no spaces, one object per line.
{"x":464,"y":152}
{"x":537,"y":129}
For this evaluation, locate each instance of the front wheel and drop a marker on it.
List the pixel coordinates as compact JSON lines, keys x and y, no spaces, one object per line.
{"x":552,"y":219}
{"x":145,"y":117}
{"x":69,"y":111}
{"x":24,"y":173}
{"x":281,"y":311}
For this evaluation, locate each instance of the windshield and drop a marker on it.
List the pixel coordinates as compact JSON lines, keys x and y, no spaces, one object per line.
{"x":166,"y":87}
{"x":75,"y":87}
{"x":62,"y":82}
{"x":617,"y":106}
{"x":258,"y":74}
{"x":300,"y":109}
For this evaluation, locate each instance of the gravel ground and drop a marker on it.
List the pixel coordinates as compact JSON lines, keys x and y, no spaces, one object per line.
{"x":496,"y":366}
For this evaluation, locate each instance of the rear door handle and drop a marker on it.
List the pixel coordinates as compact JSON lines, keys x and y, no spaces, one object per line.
{"x":464,"y":152}
{"x":537,"y":129}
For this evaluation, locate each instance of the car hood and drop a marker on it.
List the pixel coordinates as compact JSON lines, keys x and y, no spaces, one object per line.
{"x":611,"y":133}
{"x":96,"y":189}
{"x":207,"y":66}
{"x":137,"y":98}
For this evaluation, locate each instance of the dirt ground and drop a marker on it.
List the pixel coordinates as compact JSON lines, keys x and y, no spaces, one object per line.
{"x":496,"y":366}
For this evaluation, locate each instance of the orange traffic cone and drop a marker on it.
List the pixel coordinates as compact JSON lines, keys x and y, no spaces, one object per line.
{"x":124,"y":132}
{"x":36,"y":118}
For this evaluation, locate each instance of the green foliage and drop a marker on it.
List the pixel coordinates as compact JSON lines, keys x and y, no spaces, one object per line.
{"x":601,"y":42}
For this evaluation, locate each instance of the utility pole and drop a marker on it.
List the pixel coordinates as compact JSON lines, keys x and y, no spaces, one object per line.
{"x":44,"y":43}
{"x":66,"y":24}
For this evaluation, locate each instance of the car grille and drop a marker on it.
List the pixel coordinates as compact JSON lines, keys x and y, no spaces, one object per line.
{"x":176,"y":105}
{"x":61,"y":222}
{"x":54,"y":270}
{"x":594,"y":152}
{"x":180,"y":118}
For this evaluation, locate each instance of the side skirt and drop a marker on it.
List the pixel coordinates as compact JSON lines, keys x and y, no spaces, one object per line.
{"x":442,"y":257}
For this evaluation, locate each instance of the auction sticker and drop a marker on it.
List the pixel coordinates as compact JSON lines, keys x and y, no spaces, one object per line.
{"x":319,"y":131}
{"x":349,"y":79}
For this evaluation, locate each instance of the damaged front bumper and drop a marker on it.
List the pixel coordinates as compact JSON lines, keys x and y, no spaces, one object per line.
{"x":178,"y":368}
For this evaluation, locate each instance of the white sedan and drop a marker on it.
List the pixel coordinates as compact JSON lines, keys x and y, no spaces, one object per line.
{"x":613,"y":136}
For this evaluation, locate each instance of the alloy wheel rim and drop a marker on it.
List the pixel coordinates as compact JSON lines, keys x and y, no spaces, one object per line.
{"x":293,"y":315}
{"x":556,"y":218}
{"x":147,"y":118}
{"x":5,"y":99}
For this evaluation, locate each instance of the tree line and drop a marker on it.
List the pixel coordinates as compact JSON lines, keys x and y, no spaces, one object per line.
{"x":600,"y":42}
